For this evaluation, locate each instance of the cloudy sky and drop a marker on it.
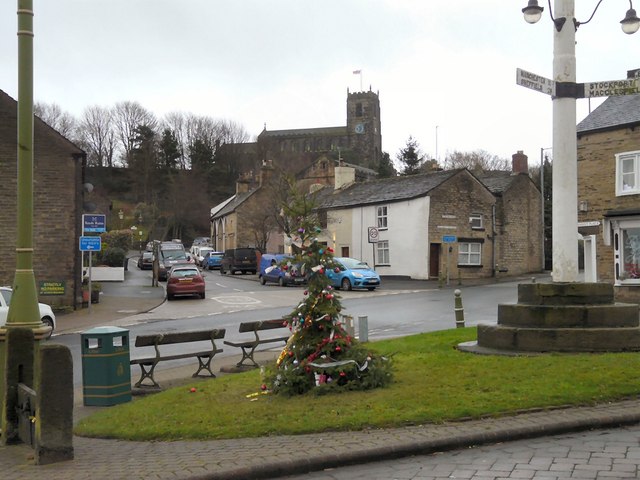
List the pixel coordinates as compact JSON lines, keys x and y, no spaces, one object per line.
{"x":445,"y":70}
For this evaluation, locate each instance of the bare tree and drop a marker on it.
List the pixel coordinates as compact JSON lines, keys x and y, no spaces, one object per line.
{"x":477,"y":160}
{"x":127,"y":116}
{"x":51,"y":113}
{"x":97,"y":136}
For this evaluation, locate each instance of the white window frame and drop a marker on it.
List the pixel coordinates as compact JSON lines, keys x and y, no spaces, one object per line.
{"x":623,"y":256}
{"x":382,"y":217}
{"x":382,"y":252}
{"x":476,"y":221}
{"x":467,"y":256}
{"x":627,"y":158}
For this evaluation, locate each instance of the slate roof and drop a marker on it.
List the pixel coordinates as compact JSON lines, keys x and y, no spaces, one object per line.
{"x":614,"y":112}
{"x":306,"y":132}
{"x":497,"y":181}
{"x":231,"y":204}
{"x":383,"y":190}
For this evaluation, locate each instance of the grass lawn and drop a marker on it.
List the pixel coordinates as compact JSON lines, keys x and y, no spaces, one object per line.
{"x":433,"y":383}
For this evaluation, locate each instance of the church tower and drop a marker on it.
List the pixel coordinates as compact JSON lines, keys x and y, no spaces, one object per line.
{"x":363,"y":126}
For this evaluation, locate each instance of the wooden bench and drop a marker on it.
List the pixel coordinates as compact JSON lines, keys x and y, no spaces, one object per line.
{"x":249,"y":347}
{"x":148,"y":364}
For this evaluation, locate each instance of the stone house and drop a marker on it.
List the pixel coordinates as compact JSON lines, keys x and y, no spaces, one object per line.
{"x":58,"y":198}
{"x":609,"y":194}
{"x":445,"y":224}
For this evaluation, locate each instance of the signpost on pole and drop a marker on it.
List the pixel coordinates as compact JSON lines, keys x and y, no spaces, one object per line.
{"x":448,"y":239}
{"x":90,"y":244}
{"x":373,"y":239}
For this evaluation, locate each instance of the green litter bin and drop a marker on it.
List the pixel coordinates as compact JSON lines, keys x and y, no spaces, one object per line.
{"x":106,"y":374}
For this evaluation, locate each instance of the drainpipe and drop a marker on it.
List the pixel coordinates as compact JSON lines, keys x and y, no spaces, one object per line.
{"x":493,"y":240}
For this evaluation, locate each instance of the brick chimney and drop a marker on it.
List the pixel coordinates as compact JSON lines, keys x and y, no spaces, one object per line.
{"x":519,"y":163}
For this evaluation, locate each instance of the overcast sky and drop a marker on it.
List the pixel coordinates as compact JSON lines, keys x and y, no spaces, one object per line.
{"x":445,"y":69}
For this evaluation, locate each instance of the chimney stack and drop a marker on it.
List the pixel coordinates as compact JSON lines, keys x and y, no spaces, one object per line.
{"x":519,"y":163}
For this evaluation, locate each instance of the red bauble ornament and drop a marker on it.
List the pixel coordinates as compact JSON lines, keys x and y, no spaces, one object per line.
{"x":337,"y":270}
{"x":193,"y":390}
{"x":342,"y":374}
{"x":263,"y":387}
{"x":285,"y":267}
{"x":338,"y":348}
{"x":290,"y":353}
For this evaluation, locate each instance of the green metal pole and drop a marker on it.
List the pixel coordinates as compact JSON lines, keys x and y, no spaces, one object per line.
{"x":23,"y":311}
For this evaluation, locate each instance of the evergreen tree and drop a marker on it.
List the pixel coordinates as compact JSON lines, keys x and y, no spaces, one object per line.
{"x":410,"y":157}
{"x":386,"y":168}
{"x":320,"y":355}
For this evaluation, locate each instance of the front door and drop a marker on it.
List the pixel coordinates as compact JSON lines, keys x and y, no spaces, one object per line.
{"x":434,"y":260}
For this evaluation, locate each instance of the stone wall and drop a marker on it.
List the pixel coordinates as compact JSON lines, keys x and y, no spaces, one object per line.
{"x":57,"y":192}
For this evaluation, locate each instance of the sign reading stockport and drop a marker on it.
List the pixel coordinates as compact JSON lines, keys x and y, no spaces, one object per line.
{"x":612,"y":88}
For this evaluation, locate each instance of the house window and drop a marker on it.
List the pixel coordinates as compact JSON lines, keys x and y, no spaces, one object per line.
{"x":469,"y":253}
{"x":358,"y":109}
{"x":627,"y":173}
{"x":475,"y":219}
{"x":381,"y":216}
{"x":383,"y":252}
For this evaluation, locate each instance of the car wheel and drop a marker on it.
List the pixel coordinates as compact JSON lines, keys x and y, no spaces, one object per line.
{"x":49,"y":323}
{"x":263,"y":280}
{"x":221,"y":271}
{"x":345,"y":284}
{"x":371,"y":289}
{"x":202,"y":295}
{"x":281,"y":282}
{"x":169,"y":297}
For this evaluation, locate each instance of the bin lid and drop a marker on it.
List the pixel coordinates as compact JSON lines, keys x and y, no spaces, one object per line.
{"x":104,"y":330}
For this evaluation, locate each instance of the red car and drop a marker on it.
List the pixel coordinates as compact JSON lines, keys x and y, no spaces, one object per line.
{"x":185,"y":280}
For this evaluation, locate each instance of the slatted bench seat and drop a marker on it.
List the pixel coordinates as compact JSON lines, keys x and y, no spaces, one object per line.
{"x":148,"y":364}
{"x":249,"y":346}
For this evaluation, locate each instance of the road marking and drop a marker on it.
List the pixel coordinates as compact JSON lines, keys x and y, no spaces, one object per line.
{"x":236,"y":300}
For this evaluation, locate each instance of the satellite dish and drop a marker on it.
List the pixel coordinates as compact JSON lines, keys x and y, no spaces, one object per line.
{"x":88,"y":187}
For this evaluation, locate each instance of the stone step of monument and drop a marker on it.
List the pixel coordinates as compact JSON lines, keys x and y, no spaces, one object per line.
{"x":565,"y":293}
{"x":507,"y":338}
{"x":567,"y":316}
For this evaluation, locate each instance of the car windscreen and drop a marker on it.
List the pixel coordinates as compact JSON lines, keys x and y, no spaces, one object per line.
{"x":353,"y":264}
{"x":174,"y":255}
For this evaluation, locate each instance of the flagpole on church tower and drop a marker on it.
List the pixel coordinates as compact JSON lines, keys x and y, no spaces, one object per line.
{"x":359,"y":72}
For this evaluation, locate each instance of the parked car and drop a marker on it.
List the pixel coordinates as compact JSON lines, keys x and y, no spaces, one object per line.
{"x":145,"y":261}
{"x":272,"y":271}
{"x":171,"y":254}
{"x":200,"y":253}
{"x":201,"y":241}
{"x":353,"y":273}
{"x":212,"y":260}
{"x":242,"y":260}
{"x":185,"y":280}
{"x":46,"y":314}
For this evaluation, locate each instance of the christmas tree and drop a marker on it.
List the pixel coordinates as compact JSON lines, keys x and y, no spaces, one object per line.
{"x":320,"y":355}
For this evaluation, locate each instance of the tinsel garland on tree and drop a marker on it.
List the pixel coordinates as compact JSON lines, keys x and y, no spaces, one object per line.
{"x":320,"y":356}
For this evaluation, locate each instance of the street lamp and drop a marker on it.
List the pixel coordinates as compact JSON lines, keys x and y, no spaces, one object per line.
{"x":565,"y":171}
{"x":121,"y":217}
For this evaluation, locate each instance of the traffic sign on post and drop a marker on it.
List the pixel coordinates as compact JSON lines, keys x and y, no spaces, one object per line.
{"x":373,"y":235}
{"x":90,"y":244}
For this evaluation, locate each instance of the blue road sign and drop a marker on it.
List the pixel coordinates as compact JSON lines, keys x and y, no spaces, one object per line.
{"x":449,"y":239}
{"x":94,"y":223}
{"x":90,"y":244}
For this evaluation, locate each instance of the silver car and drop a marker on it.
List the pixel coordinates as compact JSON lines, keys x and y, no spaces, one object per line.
{"x":46,"y":314}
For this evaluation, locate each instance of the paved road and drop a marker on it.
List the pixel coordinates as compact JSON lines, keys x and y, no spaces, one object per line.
{"x":601,"y":454}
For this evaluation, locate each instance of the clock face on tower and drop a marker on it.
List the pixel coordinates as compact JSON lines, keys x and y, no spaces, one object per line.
{"x":359,"y":128}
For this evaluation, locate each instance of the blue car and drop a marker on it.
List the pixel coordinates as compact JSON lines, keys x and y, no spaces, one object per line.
{"x":353,"y":274}
{"x":212,"y":260}
{"x":271,"y":271}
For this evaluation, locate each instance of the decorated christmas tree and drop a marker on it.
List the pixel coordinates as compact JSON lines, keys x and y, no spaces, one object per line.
{"x":320,"y":355}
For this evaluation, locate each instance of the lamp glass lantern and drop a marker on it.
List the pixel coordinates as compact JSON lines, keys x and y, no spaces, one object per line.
{"x":532,"y":12}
